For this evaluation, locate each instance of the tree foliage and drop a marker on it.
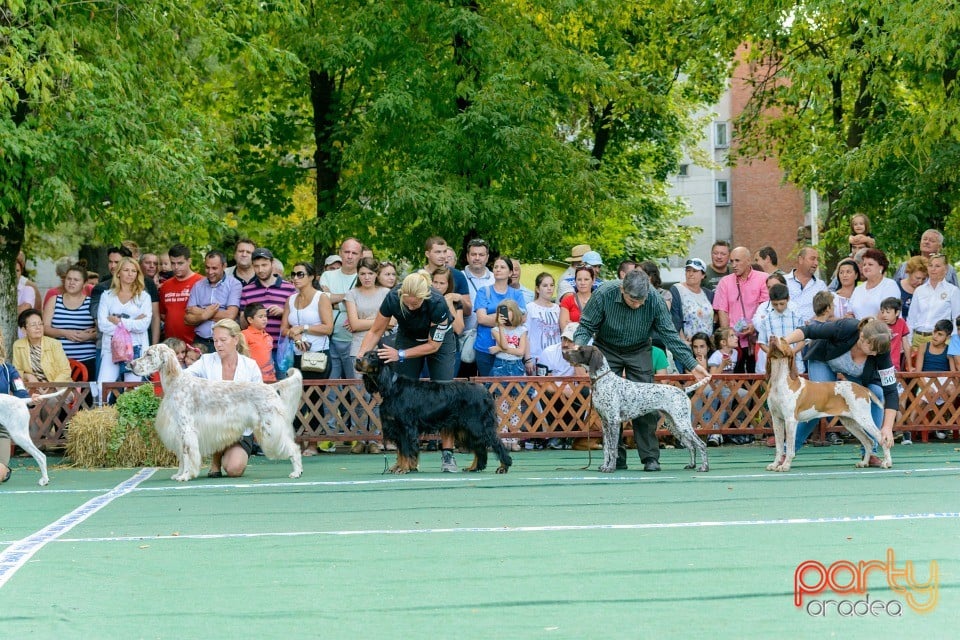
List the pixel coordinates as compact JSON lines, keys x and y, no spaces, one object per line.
{"x":859,"y":100}
{"x":531,"y":124}
{"x":92,"y":125}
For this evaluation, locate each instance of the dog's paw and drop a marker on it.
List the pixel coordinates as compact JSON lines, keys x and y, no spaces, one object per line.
{"x":861,"y":464}
{"x":44,"y":481}
{"x":607,"y":468}
{"x":296,"y":474}
{"x":703,"y":468}
{"x":773,"y":466}
{"x":502,"y":469}
{"x":180,"y":477}
{"x":689,"y":466}
{"x":886,"y":464}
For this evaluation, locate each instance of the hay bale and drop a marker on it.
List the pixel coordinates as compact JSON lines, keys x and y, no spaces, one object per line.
{"x":139,"y":452}
{"x":121,"y":436}
{"x":89,"y":433}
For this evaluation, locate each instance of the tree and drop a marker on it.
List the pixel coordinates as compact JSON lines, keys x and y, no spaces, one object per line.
{"x":859,"y":101}
{"x":92,"y":126}
{"x":530,"y":124}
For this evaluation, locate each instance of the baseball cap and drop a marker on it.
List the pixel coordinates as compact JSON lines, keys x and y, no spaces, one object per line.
{"x":593,"y":259}
{"x":331,"y":259}
{"x":569,"y":330}
{"x":261,"y":253}
{"x":696,"y":263}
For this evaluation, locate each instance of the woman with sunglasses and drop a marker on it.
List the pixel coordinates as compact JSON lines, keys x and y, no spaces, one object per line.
{"x":692,"y":303}
{"x":308,"y":321}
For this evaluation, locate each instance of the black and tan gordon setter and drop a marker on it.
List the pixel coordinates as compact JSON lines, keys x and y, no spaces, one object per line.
{"x":409,"y":408}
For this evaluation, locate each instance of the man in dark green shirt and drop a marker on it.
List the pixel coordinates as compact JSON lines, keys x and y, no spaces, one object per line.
{"x":620,"y":318}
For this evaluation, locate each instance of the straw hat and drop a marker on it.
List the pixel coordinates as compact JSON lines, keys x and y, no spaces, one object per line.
{"x":576,"y":254}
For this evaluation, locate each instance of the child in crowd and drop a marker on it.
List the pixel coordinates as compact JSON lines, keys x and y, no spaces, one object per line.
{"x":823,"y":307}
{"x":724,"y":357}
{"x":779,"y":321}
{"x":933,"y":357}
{"x":510,"y":345}
{"x":724,"y":360}
{"x":899,"y":333}
{"x":860,"y":236}
{"x":953,"y":350}
{"x":179,"y":347}
{"x":194,"y":351}
{"x":700,"y":346}
{"x":258,"y":340}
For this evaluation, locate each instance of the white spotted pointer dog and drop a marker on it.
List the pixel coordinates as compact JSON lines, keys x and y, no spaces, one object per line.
{"x":617,"y":399}
{"x":792,"y":399}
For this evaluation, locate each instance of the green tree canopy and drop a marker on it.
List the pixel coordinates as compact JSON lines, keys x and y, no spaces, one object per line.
{"x":859,"y":100}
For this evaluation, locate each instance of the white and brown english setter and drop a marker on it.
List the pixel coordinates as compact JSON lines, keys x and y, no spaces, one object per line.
{"x":199,"y":417}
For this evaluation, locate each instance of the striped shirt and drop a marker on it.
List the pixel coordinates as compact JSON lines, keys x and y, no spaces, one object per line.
{"x":276,"y":293}
{"x":617,"y":326}
{"x":76,"y":320}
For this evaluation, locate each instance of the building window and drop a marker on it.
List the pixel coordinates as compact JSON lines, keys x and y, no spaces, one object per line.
{"x":684,"y":171}
{"x":721,"y":139}
{"x":723,"y":192}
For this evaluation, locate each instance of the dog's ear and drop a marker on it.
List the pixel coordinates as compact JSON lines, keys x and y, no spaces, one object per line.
{"x":596,"y":358}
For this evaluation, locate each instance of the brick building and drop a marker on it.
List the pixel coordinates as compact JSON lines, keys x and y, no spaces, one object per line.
{"x":748,"y":204}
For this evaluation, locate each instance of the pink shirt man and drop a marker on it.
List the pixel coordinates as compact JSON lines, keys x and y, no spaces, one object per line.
{"x":740,"y":294}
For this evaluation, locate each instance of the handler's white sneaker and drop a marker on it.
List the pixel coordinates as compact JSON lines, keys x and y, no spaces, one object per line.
{"x":448,"y":463}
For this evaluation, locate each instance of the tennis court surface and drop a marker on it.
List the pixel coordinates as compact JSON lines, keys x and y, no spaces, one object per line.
{"x":547,"y":551}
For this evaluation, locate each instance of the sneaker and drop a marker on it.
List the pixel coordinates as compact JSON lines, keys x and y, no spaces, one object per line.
{"x":906,"y":438}
{"x":358,"y":447}
{"x":940,"y":435}
{"x":715,"y":440}
{"x":448,"y":463}
{"x":875,"y":462}
{"x":391,"y":446}
{"x":771,"y":441}
{"x":833,"y":438}
{"x":374,"y":447}
{"x":555,"y":443}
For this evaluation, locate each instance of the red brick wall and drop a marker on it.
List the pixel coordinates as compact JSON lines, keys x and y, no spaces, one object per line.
{"x":765,"y":210}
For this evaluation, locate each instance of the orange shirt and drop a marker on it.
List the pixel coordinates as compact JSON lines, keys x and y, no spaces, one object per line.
{"x":261,"y":350}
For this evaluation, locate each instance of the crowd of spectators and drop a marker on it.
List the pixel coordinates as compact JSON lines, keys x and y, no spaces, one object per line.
{"x":726,"y":309}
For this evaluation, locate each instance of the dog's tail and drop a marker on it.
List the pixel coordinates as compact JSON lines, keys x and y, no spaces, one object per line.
{"x":291,"y":390}
{"x":45,"y":396}
{"x":696,"y":385}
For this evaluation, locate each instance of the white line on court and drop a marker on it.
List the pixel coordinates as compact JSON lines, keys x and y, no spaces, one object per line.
{"x":18,"y":553}
{"x":532,"y":529}
{"x":515,"y":479}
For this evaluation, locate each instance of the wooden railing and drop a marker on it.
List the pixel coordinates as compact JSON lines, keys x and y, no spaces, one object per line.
{"x":532,"y":407}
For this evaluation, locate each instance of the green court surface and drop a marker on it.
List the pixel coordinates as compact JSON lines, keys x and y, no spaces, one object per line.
{"x":547,"y":551}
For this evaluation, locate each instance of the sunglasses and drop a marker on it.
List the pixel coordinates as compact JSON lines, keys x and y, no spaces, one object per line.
{"x":298,"y":274}
{"x":477,"y":243}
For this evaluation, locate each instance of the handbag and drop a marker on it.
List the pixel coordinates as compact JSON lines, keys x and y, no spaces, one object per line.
{"x":467,"y":352}
{"x":121,"y":344}
{"x":317,"y":361}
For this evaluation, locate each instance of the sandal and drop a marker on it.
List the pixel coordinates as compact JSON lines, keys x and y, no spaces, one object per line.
{"x":7,"y":475}
{"x":215,"y":474}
